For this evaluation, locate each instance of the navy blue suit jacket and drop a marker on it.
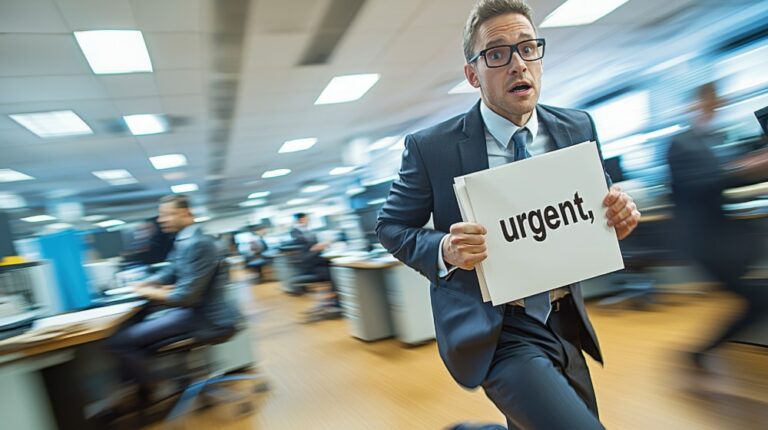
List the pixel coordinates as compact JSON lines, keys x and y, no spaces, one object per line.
{"x":467,"y":329}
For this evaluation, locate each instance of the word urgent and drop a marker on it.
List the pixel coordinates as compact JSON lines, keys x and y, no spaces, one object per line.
{"x":539,"y":220}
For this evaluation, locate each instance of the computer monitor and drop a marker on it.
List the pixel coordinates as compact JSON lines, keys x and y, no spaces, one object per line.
{"x":6,"y":240}
{"x":762,"y":118}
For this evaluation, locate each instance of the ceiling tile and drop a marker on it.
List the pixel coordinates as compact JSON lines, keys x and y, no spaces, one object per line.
{"x":82,"y":15}
{"x":41,"y":54}
{"x":31,"y":16}
{"x":167,"y":15}
{"x":50,"y":88}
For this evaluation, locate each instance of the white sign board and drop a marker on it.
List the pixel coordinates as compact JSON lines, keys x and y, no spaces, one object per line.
{"x":545,"y":220}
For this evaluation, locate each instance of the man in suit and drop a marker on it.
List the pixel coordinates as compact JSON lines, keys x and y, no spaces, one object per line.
{"x":526,"y":355}
{"x":723,"y":247}
{"x":316,"y":268}
{"x":190,"y":290}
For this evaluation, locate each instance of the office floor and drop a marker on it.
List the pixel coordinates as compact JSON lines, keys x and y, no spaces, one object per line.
{"x":321,"y":378}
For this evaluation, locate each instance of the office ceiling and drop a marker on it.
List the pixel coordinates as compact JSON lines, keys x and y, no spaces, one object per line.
{"x":239,"y":77}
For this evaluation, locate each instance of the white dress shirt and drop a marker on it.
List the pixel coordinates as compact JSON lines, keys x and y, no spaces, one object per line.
{"x":498,"y":136}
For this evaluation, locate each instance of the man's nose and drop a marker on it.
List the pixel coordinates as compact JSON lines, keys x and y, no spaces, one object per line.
{"x":517,"y":65}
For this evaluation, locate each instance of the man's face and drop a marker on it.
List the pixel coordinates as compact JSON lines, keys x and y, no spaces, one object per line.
{"x":303,"y":221}
{"x":171,"y":218}
{"x":511,"y":91}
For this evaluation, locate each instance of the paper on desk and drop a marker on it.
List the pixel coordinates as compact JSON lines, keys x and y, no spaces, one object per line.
{"x":86,"y":315}
{"x":465,"y":207}
{"x":545,"y":221}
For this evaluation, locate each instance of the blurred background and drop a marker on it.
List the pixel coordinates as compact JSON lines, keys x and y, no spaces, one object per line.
{"x":262,"y":109}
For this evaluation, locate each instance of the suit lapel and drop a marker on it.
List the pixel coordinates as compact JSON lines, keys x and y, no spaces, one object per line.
{"x":560,"y":135}
{"x":473,"y":154}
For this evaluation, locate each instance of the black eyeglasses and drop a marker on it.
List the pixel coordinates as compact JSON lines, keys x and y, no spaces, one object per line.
{"x":500,"y":56}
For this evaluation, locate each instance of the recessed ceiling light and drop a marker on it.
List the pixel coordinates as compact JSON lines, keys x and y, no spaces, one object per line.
{"x":11,"y":201}
{"x":314,"y":188}
{"x":259,"y":194}
{"x":384,"y":142}
{"x":59,"y":226}
{"x":296,"y":202}
{"x":463,"y":87}
{"x":114,"y":51}
{"x":296,"y":145}
{"x":94,"y":218}
{"x":375,"y":202}
{"x":174,"y":176}
{"x":53,"y":124}
{"x":347,"y":88}
{"x":184,"y":188}
{"x":10,"y":175}
{"x":251,"y":203}
{"x":115,"y":177}
{"x":168,"y":161}
{"x":146,"y":124}
{"x":110,"y":223}
{"x":38,"y":218}
{"x":202,"y":219}
{"x":275,"y":173}
{"x":580,"y":12}
{"x":341,"y":170}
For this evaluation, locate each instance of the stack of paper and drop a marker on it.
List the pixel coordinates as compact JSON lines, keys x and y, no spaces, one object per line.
{"x":545,"y":220}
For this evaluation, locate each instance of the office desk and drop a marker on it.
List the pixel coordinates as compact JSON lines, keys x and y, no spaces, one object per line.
{"x":25,"y":402}
{"x":382,"y":298}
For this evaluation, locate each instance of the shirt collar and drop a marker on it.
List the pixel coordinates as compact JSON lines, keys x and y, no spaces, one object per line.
{"x":187,"y":232}
{"x":502,"y":129}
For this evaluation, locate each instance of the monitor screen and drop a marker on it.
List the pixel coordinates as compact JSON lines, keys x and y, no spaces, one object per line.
{"x":762,"y":118}
{"x":6,"y":240}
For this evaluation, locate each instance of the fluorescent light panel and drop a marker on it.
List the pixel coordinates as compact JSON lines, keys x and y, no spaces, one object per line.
{"x":53,"y":124}
{"x":10,"y":175}
{"x":146,"y":124}
{"x":202,"y":219}
{"x":11,"y":201}
{"x":275,"y":173}
{"x":384,"y":142}
{"x":259,"y":194}
{"x":341,"y":170}
{"x":184,"y":188}
{"x":251,"y":203}
{"x":314,"y":188}
{"x":94,"y":218}
{"x":114,"y":51}
{"x":115,"y":177}
{"x":296,"y":202}
{"x":296,"y":145}
{"x":580,"y":12}
{"x":110,"y":223}
{"x":38,"y":218}
{"x":347,"y":88}
{"x":168,"y":161}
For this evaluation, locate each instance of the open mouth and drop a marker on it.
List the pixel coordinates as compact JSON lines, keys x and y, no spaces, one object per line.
{"x":522,"y":88}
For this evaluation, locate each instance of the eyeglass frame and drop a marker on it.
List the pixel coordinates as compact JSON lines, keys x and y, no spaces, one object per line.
{"x":513,"y":50}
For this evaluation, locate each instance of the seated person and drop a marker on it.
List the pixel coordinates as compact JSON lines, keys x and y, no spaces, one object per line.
{"x":315,"y":265}
{"x":258,"y":248}
{"x":191,"y":291}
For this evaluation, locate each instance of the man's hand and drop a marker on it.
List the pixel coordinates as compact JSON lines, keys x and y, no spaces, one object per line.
{"x":465,"y":245}
{"x":151,"y":293}
{"x":622,"y":213}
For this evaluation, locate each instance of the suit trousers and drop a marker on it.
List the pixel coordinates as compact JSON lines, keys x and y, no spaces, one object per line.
{"x":538,"y":377}
{"x":129,"y":343}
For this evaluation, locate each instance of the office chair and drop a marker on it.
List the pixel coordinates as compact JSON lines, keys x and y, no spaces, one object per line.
{"x":192,"y":366}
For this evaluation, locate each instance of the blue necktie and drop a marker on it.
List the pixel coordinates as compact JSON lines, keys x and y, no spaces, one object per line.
{"x":537,"y":306}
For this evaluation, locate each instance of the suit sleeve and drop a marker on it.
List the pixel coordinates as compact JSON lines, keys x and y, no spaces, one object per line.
{"x":166,"y":275}
{"x":408,"y":207}
{"x":608,"y":179}
{"x":189,"y":289}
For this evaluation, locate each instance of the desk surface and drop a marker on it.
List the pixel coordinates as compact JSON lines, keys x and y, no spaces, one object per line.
{"x":76,"y":328}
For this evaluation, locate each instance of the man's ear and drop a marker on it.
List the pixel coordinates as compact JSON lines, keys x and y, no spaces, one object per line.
{"x":471,"y":74}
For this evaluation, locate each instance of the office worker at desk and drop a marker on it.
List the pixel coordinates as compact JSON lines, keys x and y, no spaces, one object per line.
{"x":190,"y":289}
{"x":725,"y":248}
{"x":526,"y":355}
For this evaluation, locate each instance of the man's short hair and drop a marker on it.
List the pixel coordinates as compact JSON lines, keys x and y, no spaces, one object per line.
{"x":487,"y":9}
{"x":180,"y":201}
{"x":299,"y":216}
